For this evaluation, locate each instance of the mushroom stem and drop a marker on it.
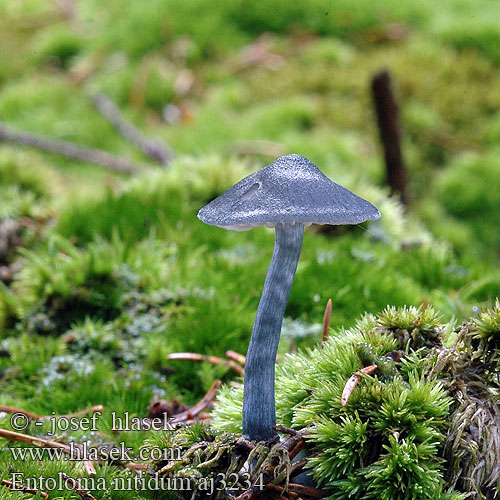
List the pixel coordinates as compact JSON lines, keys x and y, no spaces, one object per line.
{"x":259,"y":414}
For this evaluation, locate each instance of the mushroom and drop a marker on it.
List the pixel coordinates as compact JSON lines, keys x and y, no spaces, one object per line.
{"x":288,"y":194}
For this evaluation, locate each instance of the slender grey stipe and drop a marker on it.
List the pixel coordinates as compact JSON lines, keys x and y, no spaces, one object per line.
{"x":288,"y":194}
{"x":259,"y":414}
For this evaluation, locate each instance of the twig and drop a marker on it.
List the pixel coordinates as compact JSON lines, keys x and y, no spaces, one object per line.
{"x":149,"y":147}
{"x":133,"y":465}
{"x":192,"y":356}
{"x":326,"y":322}
{"x":80,"y":413}
{"x":76,"y":487}
{"x":89,"y":467}
{"x":201,"y":405}
{"x":34,"y":416}
{"x":280,"y":490}
{"x":236,"y":356}
{"x":298,"y":466}
{"x":24,"y":489}
{"x":353,"y":382}
{"x":285,"y":430}
{"x":68,"y":149}
{"x":296,"y":449}
{"x":388,"y":123}
{"x":34,"y":441}
{"x":306,"y":491}
{"x":11,"y":409}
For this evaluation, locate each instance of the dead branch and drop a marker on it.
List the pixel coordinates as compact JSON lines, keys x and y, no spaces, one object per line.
{"x":353,"y":382}
{"x":214,"y":360}
{"x":76,"y":487}
{"x":326,"y":322}
{"x":68,"y":149}
{"x":20,"y":487}
{"x":149,"y":147}
{"x":201,"y":405}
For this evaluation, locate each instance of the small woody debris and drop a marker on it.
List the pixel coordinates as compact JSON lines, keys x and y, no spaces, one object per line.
{"x":201,"y":405}
{"x":354,"y":380}
{"x":34,"y":416}
{"x":20,"y":487}
{"x":214,"y":360}
{"x":326,"y":322}
{"x":75,"y":486}
{"x":236,"y":356}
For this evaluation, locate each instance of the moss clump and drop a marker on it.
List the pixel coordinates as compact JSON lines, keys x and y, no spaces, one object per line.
{"x":384,"y":443}
{"x":477,"y":205}
{"x":61,"y":284}
{"x":423,"y":425}
{"x":470,"y":371}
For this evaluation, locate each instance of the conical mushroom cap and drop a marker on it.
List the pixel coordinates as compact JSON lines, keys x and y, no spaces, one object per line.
{"x":291,"y":189}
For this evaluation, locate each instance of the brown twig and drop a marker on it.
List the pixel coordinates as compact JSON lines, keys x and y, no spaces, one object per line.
{"x":68,"y":149}
{"x":214,"y":360}
{"x":326,"y":322}
{"x":89,"y":467}
{"x":280,"y":490}
{"x":298,"y":466}
{"x":76,"y":487}
{"x":24,"y":489}
{"x":306,"y":491}
{"x":285,"y":430}
{"x":34,"y":416}
{"x":236,"y":356}
{"x":353,"y":382}
{"x":201,"y":405}
{"x":32,"y":440}
{"x":296,"y":449}
{"x":133,"y":465}
{"x":388,"y":123}
{"x":12,"y":409}
{"x":80,"y":413}
{"x":149,"y":147}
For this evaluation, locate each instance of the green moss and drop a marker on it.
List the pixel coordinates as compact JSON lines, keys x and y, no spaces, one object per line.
{"x":64,"y":284}
{"x":477,"y":204}
{"x":57,"y":46}
{"x":390,"y":439}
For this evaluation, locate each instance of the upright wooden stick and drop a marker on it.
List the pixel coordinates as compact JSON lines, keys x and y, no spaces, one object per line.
{"x":388,"y":123}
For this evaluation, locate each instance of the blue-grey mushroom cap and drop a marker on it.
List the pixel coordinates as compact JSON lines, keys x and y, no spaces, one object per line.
{"x":291,"y":189}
